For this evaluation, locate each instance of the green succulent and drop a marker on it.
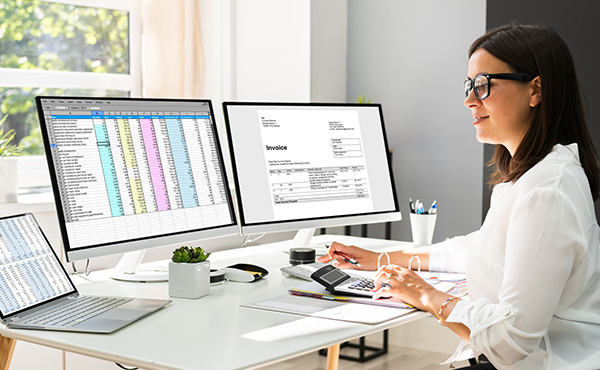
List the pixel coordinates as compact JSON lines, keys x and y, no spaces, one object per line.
{"x":187,"y":254}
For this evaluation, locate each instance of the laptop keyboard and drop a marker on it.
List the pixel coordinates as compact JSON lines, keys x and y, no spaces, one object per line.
{"x":82,"y":309}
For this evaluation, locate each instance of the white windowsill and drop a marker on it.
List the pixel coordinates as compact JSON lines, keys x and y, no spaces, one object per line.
{"x":35,"y":200}
{"x":35,"y":193}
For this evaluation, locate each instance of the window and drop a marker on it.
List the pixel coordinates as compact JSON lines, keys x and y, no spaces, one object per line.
{"x":64,"y":47}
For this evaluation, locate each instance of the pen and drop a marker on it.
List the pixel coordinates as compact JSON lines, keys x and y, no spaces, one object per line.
{"x":347,"y":259}
{"x":433,"y":208}
{"x":419,"y":207}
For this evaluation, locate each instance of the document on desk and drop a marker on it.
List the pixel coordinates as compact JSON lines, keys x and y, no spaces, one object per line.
{"x":316,"y":290}
{"x":328,"y":309}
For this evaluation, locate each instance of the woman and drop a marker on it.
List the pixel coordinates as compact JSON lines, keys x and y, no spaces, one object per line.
{"x":533,"y":269}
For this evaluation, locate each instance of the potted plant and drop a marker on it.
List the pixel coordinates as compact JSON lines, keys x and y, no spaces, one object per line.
{"x":362,"y":99}
{"x":189,"y":273}
{"x":8,"y":164}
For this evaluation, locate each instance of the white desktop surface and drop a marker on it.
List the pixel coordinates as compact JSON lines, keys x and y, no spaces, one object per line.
{"x":214,"y":332}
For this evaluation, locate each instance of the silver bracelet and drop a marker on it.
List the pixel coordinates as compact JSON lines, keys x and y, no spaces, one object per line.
{"x":418,"y":262}
{"x":379,"y":259}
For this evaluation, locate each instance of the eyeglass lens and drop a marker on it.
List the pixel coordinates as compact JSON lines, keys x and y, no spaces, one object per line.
{"x":480,"y":84}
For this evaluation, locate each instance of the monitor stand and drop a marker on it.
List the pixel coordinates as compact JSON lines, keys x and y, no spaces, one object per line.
{"x":128,"y":269}
{"x":303,"y":237}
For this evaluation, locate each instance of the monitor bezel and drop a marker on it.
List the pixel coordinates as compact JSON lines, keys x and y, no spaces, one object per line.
{"x":315,"y":222}
{"x":130,"y":245}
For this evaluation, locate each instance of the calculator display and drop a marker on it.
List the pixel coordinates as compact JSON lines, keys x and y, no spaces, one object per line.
{"x":334,"y":277}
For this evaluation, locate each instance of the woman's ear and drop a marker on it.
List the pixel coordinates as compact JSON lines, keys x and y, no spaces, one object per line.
{"x":536,"y":93}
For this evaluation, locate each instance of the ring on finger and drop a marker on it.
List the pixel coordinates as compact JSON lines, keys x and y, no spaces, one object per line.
{"x":386,"y":283}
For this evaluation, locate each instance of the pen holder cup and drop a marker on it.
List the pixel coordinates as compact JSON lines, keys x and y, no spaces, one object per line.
{"x":422,"y":227}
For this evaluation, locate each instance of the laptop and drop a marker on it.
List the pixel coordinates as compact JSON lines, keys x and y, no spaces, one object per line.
{"x":37,"y":293}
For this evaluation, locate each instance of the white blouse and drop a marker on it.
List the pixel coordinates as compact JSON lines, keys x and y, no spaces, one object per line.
{"x":533,"y":271}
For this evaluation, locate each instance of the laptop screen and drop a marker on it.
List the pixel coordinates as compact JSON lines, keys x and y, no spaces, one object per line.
{"x":30,"y":272}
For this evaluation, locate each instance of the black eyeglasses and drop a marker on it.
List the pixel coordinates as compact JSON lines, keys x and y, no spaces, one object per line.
{"x":481,"y":83}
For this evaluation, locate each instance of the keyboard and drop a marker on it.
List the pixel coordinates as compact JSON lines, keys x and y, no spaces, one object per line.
{"x":81,"y":309}
{"x":302,"y":271}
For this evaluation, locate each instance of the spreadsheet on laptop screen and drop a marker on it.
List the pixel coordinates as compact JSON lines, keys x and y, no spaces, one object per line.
{"x":30,"y":273}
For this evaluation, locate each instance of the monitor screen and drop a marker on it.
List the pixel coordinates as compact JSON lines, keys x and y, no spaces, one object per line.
{"x":309,"y":165}
{"x":131,"y":174}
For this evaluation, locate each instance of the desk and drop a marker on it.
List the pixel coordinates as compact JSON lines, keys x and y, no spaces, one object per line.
{"x":214,"y":332}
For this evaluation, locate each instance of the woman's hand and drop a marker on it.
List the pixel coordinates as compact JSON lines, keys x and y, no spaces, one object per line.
{"x":404,"y":285}
{"x":366,"y":259}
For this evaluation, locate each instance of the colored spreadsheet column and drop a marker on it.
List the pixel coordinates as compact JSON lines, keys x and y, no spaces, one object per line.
{"x":135,"y":183}
{"x":108,"y":168}
{"x":181,"y":158}
{"x":156,"y":171}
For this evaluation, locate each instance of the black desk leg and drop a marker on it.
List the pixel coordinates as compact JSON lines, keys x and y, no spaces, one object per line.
{"x":363,"y":349}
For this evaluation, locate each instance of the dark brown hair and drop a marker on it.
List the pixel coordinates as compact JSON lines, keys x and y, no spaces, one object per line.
{"x":559,"y":119}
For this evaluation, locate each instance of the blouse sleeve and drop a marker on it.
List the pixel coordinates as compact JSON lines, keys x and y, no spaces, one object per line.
{"x":450,"y":255}
{"x":545,"y":239}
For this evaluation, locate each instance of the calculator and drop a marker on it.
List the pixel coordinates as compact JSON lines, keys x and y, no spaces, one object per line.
{"x":339,"y":282}
{"x":302,"y":271}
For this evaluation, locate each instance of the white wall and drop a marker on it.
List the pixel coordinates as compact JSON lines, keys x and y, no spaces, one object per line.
{"x":412,"y":57}
{"x":267,"y":67}
{"x":289,"y":50}
{"x":274,"y":50}
{"x":329,"y":44}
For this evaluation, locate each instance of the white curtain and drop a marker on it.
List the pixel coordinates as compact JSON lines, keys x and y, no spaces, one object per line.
{"x":172,"y":55}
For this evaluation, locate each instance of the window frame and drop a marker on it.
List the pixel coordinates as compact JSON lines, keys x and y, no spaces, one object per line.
{"x":130,"y":82}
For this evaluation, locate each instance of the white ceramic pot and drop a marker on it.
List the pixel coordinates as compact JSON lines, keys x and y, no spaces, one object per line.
{"x":189,"y":280}
{"x":8,"y":180}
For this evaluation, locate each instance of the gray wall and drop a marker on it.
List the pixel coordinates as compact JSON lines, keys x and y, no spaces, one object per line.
{"x":577,"y":23}
{"x":411,"y":56}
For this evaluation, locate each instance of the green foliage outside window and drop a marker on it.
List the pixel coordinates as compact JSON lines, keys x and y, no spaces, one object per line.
{"x":56,"y":37}
{"x":7,"y":148}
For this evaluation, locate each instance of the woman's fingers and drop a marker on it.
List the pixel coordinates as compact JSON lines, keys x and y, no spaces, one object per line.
{"x":385,"y":275}
{"x":331,"y":252}
{"x":342,"y":255}
{"x":385,"y":292}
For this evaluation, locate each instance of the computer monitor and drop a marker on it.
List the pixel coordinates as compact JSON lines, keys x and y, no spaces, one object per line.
{"x":130,"y":174}
{"x":300,"y":166}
